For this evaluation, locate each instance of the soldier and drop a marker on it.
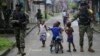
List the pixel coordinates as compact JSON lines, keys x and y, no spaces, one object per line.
{"x":19,"y":22}
{"x":85,"y":19}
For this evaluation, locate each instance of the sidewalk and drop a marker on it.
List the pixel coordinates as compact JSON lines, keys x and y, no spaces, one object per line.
{"x":33,"y":45}
{"x":11,"y":37}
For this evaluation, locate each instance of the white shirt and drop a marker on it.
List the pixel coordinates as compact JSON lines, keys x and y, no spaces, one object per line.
{"x":42,"y":29}
{"x":63,"y":14}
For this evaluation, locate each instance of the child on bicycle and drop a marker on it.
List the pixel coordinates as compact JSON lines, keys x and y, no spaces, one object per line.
{"x":69,"y":31}
{"x":42,"y":32}
{"x":56,"y":31}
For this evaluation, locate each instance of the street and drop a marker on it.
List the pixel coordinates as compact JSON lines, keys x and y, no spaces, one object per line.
{"x":33,"y":44}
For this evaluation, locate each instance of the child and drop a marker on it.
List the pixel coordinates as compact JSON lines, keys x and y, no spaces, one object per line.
{"x":69,"y":31}
{"x":56,"y":31}
{"x":42,"y":31}
{"x":65,"y":17}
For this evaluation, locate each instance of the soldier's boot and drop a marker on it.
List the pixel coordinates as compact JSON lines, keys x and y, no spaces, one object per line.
{"x":22,"y":52}
{"x":81,"y":45}
{"x":19,"y":51}
{"x":81,"y":49}
{"x":90,"y":47}
{"x":90,"y":44}
{"x":90,"y":50}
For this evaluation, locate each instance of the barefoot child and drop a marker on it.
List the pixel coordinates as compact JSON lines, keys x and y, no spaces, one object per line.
{"x":42,"y":32}
{"x":69,"y":31}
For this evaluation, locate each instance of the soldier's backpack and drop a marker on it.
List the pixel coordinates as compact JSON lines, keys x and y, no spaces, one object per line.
{"x":84,"y":17}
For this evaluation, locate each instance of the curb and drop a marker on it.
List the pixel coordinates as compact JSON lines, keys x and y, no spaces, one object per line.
{"x":8,"y":50}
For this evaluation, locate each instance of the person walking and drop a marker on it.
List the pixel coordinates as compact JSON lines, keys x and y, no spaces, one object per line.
{"x":43,"y":32}
{"x":19,"y":22}
{"x":39,"y":16}
{"x":85,"y":20}
{"x":69,"y":31}
{"x":65,"y":17}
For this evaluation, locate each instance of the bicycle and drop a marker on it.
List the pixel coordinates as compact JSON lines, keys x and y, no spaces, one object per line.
{"x":58,"y":46}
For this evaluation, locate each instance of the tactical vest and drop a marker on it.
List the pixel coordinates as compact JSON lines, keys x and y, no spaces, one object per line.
{"x":84,"y":18}
{"x":20,"y":16}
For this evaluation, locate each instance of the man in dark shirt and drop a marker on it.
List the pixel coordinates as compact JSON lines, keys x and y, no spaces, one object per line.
{"x":19,"y":22}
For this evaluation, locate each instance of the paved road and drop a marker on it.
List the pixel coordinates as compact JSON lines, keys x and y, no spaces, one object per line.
{"x":33,"y":45}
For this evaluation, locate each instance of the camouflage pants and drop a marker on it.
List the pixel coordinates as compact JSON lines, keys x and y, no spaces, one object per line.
{"x":86,"y":29}
{"x":20,"y":35}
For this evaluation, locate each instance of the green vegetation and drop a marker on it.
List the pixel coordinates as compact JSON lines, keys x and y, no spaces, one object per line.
{"x":49,"y":16}
{"x":72,"y":5}
{"x":5,"y":43}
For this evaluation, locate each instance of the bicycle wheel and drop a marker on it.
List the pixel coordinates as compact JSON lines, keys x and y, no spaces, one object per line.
{"x":56,"y":47}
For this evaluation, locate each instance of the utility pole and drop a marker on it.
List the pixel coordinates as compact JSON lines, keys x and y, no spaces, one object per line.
{"x":45,"y":10}
{"x":53,"y":3}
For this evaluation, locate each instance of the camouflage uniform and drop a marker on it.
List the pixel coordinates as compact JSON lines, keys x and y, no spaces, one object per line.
{"x":89,"y":31}
{"x":20,"y":42}
{"x":84,"y":29}
{"x":19,"y":29}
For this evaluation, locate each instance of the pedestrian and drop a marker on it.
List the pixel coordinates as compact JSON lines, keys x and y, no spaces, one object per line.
{"x":69,"y":31}
{"x":65,"y":17}
{"x":85,"y":20}
{"x":39,"y":16}
{"x":43,"y":32}
{"x":19,"y":22}
{"x":56,"y":31}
